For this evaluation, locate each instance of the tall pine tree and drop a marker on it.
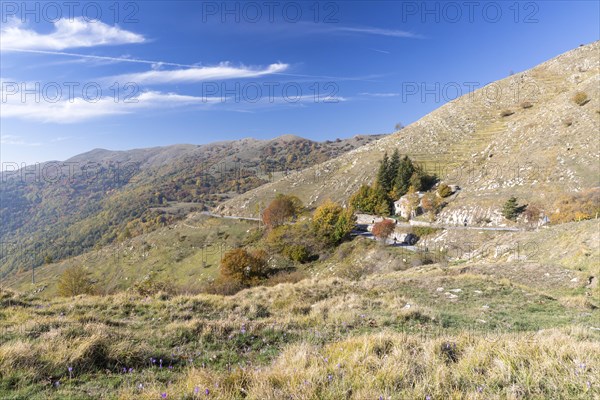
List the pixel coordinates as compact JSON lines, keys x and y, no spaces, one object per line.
{"x":383,"y":175}
{"x":393,"y":168}
{"x":403,"y":174}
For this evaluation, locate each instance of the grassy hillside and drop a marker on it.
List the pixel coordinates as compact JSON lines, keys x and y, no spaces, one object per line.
{"x":524,"y":135}
{"x":425,"y":331}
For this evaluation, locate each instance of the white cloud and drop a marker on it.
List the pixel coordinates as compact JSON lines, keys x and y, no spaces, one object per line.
{"x":378,"y":31}
{"x":78,"y":109}
{"x":67,"y":33}
{"x":199,"y":74}
{"x":16,"y":141}
{"x":380,"y":94}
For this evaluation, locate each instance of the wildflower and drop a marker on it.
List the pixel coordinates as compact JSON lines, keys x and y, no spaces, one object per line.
{"x":196,"y":390}
{"x":124,"y":370}
{"x":589,"y":384}
{"x":170,"y":367}
{"x":480,"y":389}
{"x":329,"y":377}
{"x":206,"y":392}
{"x":163,"y":395}
{"x":56,"y":384}
{"x":428,"y":397}
{"x":140,"y":386}
{"x":130,"y":370}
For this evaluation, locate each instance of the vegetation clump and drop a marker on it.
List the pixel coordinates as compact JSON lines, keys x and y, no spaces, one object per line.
{"x":395,"y":178}
{"x":75,"y":281}
{"x":581,"y":98}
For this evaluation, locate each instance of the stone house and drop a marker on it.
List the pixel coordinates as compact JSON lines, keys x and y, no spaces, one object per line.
{"x":402,"y":206}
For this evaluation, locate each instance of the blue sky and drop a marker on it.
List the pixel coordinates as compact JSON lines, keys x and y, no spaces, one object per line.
{"x":159,"y":73}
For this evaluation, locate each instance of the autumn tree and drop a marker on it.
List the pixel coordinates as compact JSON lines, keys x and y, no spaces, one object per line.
{"x":383,"y":229}
{"x":281,"y":209}
{"x":243,"y":266}
{"x":332,"y":222}
{"x":431,"y":204}
{"x":75,"y":281}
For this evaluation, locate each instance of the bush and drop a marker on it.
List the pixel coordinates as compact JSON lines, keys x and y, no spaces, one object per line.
{"x":581,"y":98}
{"x":75,"y":281}
{"x":526,"y":105}
{"x":444,"y":190}
{"x":577,"y":207}
{"x":244,"y":267}
{"x":150,"y":285}
{"x":296,"y":252}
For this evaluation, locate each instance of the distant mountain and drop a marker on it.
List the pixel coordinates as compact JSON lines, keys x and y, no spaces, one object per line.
{"x":57,"y":209}
{"x":533,"y":135}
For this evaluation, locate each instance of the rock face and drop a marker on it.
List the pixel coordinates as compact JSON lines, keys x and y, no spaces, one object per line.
{"x":545,"y":146}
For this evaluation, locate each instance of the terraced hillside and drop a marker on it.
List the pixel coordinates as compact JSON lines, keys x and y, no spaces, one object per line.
{"x":525,"y":135}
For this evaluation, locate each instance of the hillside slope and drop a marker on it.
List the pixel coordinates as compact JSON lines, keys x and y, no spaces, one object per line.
{"x":523,"y":135}
{"x":57,"y":210}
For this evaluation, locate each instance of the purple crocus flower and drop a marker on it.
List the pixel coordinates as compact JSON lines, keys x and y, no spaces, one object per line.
{"x":196,"y":390}
{"x":163,"y":395}
{"x":70,"y":369}
{"x":206,"y":392}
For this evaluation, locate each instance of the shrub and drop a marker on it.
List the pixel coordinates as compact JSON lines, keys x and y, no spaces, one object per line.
{"x":297,"y":252}
{"x":444,"y":190}
{"x":577,"y":207}
{"x":245,"y":267}
{"x":75,"y":281}
{"x":383,"y":229}
{"x":526,"y":105}
{"x":581,"y":98}
{"x":151,"y":285}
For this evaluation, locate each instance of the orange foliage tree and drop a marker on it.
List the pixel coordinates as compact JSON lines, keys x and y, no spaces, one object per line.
{"x":383,"y":229}
{"x":280,"y":210}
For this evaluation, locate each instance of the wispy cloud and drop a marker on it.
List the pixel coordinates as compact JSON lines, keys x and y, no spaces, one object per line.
{"x":77,"y":110}
{"x":199,"y":74}
{"x":377,"y":31}
{"x":368,"y":94}
{"x":67,"y":33}
{"x":106,"y":58}
{"x":16,"y":141}
{"x":381,"y":51}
